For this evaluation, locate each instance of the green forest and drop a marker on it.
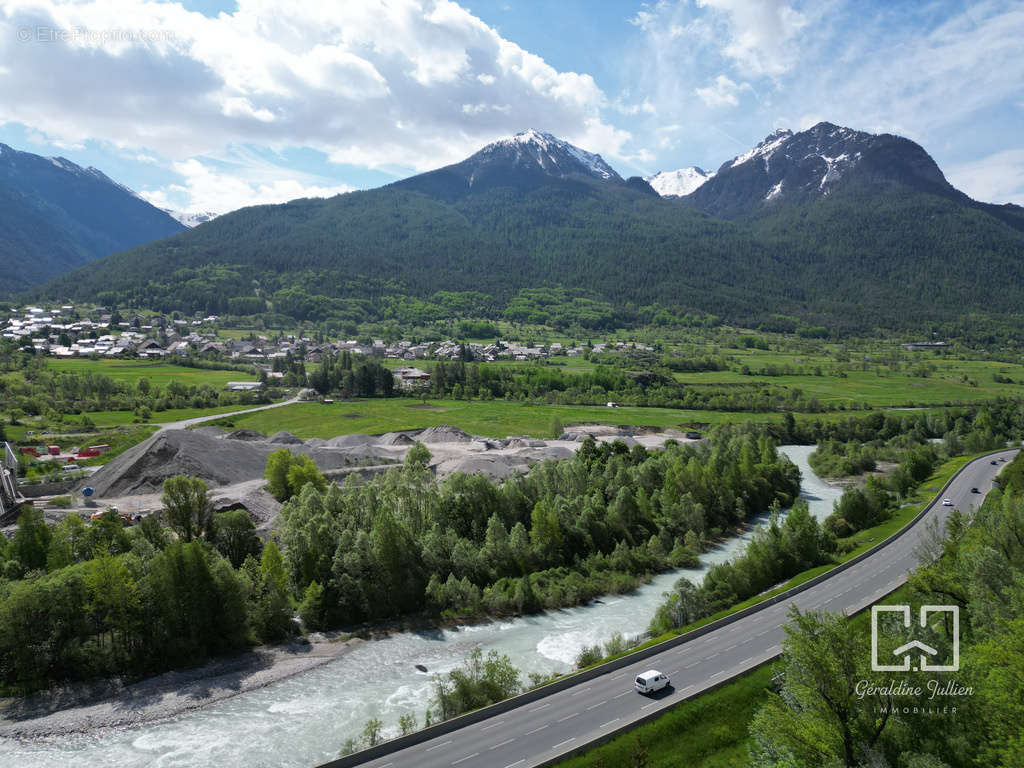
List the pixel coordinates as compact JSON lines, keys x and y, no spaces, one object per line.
{"x":568,"y":255}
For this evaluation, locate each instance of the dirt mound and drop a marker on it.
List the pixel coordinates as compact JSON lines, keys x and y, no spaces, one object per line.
{"x":444,"y":433}
{"x":395,"y":438}
{"x":351,"y":441}
{"x":525,"y":442}
{"x":491,"y":466}
{"x":211,"y":431}
{"x":248,"y":435}
{"x":143,"y":468}
{"x":285,"y":438}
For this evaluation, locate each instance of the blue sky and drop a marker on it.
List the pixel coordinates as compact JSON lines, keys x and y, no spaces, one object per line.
{"x":204,"y":105}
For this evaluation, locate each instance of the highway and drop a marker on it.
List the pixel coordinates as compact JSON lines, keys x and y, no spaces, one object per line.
{"x":536,"y":732}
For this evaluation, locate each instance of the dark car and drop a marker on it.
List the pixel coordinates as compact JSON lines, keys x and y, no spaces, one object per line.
{"x":975,"y":490}
{"x":993,"y":462}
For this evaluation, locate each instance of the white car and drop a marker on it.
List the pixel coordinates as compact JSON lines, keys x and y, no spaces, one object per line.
{"x":650,"y":681}
{"x":947,"y":503}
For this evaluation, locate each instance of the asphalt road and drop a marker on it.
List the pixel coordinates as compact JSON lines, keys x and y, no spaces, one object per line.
{"x":538,"y":731}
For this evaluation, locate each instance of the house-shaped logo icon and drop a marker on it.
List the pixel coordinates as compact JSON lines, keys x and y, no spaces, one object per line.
{"x":926,"y":651}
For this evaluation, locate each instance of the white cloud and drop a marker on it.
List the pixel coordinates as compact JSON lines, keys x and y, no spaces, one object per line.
{"x":997,"y":178}
{"x":722,"y":92}
{"x":378,"y":82}
{"x":761,"y":34}
{"x":204,"y":188}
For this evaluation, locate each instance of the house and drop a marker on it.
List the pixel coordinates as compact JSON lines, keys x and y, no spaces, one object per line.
{"x":244,"y":386}
{"x":409,"y":378}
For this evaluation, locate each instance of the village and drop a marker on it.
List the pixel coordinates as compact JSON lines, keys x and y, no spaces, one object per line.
{"x":68,"y":331}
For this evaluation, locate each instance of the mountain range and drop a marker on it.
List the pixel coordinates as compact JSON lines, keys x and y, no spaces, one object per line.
{"x":56,"y":216}
{"x":826,"y":227}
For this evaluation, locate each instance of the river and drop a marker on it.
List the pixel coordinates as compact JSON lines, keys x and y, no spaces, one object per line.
{"x":304,"y":720}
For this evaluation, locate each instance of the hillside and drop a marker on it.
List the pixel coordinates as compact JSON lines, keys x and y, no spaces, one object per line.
{"x":532,"y":228}
{"x":56,"y":216}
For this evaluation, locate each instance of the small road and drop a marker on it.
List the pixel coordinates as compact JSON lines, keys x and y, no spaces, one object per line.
{"x":541,"y":730}
{"x":184,"y":424}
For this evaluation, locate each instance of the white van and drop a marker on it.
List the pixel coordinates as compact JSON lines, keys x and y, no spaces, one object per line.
{"x":650,"y":681}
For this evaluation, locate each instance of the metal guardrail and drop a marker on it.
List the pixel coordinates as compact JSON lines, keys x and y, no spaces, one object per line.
{"x":470,"y":718}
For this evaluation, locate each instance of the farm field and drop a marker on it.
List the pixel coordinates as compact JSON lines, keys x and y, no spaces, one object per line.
{"x":952,"y":380}
{"x":494,"y":418}
{"x":158,"y":372}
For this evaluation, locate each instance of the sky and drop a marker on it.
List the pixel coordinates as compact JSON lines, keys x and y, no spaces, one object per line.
{"x":211,"y":105}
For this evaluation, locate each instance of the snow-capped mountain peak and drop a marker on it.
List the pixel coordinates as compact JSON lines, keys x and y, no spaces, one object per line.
{"x":191,"y":218}
{"x":766,"y":147}
{"x":532,"y":148}
{"x":678,"y":183}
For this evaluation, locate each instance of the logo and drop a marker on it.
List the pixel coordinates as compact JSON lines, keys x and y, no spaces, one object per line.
{"x":926,"y":651}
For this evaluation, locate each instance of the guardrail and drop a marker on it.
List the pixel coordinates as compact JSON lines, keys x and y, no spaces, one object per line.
{"x":476,"y":716}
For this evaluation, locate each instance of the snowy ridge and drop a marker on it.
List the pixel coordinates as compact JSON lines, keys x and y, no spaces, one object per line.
{"x":678,"y":183}
{"x":551,"y":154}
{"x":765,"y":149}
{"x":190,"y":218}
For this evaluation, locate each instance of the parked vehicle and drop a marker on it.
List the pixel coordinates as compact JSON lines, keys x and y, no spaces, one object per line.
{"x":650,"y":681}
{"x":947,"y":503}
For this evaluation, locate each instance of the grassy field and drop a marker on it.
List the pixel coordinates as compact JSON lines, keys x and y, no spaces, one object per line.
{"x":680,"y":737}
{"x":493,"y":418}
{"x":952,"y":379}
{"x":158,"y":372}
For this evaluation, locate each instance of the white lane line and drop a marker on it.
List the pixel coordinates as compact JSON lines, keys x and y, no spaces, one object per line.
{"x":563,"y":743}
{"x":722,"y":672}
{"x":684,"y":690}
{"x":538,"y":709}
{"x":438,"y":746}
{"x":492,"y":725}
{"x":467,"y":757}
{"x":624,"y":693}
{"x":691,"y":665}
{"x":648,"y":706}
{"x":567,"y":717}
{"x":730,"y":647}
{"x":672,"y":672}
{"x":502,"y":744}
{"x":621,"y":674}
{"x":713,"y":655}
{"x":537,"y":729}
{"x":595,"y":706}
{"x":746,"y":661}
{"x":580,"y":693}
{"x":517,"y":762}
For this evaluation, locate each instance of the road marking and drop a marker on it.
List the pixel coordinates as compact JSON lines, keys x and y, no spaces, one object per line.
{"x":746,"y":661}
{"x":563,"y":743}
{"x":517,"y":762}
{"x":605,"y":725}
{"x":537,"y":709}
{"x":692,"y":664}
{"x":713,"y":655}
{"x":537,"y":729}
{"x":722,"y":672}
{"x":624,"y":693}
{"x":672,"y":672}
{"x":492,"y":725}
{"x":851,"y":608}
{"x":567,"y":717}
{"x":580,"y":693}
{"x":730,"y":647}
{"x":438,"y":746}
{"x":507,"y":741}
{"x":621,"y":674}
{"x":595,"y":706}
{"x":467,"y":757}
{"x":686,"y":689}
{"x":648,"y":706}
